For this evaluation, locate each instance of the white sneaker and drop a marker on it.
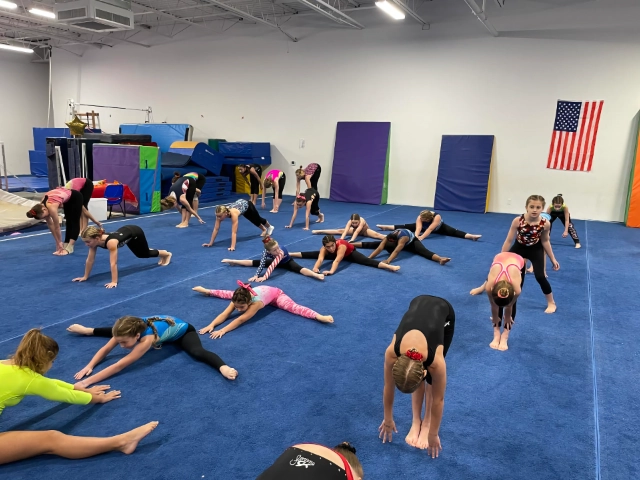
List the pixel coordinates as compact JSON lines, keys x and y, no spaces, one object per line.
{"x":270,"y":230}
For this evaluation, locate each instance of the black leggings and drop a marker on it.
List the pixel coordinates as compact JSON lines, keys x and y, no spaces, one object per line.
{"x":535,"y":254}
{"x":253,"y":216}
{"x":571,"y":229}
{"x":72,"y":213}
{"x":291,"y":265}
{"x":443,"y":230}
{"x":138,"y":243}
{"x":254,"y":182}
{"x":355,"y":257}
{"x":86,"y":191}
{"x":315,"y":177}
{"x":189,"y":342}
{"x":281,"y":182}
{"x":414,"y":246}
{"x":449,"y":330}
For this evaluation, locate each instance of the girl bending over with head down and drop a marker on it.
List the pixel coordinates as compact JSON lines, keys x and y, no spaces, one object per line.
{"x":503,"y":294}
{"x":233,"y":211}
{"x":139,"y":335}
{"x":311,"y":199}
{"x":22,"y":375}
{"x":432,"y":223}
{"x":529,"y":238}
{"x":71,"y":203}
{"x":338,"y":250}
{"x":323,"y":460}
{"x":130,"y":235}
{"x":310,"y":175}
{"x":273,"y":256}
{"x":254,"y":172}
{"x":182,"y":196}
{"x":355,"y":226}
{"x":248,"y":301}
{"x":397,"y":241}
{"x":276,"y":179}
{"x":414,"y":363}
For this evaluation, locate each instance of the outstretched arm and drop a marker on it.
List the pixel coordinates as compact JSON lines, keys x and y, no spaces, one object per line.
{"x":294,"y":215}
{"x":418,"y":226}
{"x":220,"y":319}
{"x":316,"y":267}
{"x":91,"y":256}
{"x":113,"y":262}
{"x":90,"y":217}
{"x":567,"y":221}
{"x":346,"y":230}
{"x":336,"y":262}
{"x":185,"y":203}
{"x":438,"y":371}
{"x":53,"y":222}
{"x":377,"y":251}
{"x":251,"y":311}
{"x":308,"y":213}
{"x":138,"y":351}
{"x":214,"y":234}
{"x":511,"y":235}
{"x":397,"y":250}
{"x":307,"y":179}
{"x":546,"y":244}
{"x":388,"y":426}
{"x":436,"y":221}
{"x":271,"y":268}
{"x":234,"y":230}
{"x":356,"y":231}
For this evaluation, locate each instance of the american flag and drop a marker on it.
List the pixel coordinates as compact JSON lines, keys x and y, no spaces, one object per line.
{"x":574,"y":135}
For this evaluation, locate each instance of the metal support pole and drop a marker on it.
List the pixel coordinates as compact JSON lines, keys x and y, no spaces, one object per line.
{"x":4,"y":165}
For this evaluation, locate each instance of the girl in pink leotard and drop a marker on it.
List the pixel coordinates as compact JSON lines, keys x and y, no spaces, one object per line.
{"x":248,"y":301}
{"x":503,"y":286}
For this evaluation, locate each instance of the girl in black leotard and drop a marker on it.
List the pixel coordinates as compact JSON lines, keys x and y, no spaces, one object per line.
{"x":181,"y":196}
{"x":130,"y":235}
{"x":254,"y":171}
{"x":432,"y":223}
{"x":397,"y":241}
{"x":417,"y":353}
{"x":309,"y":461}
{"x":311,"y":199}
{"x":531,"y":234}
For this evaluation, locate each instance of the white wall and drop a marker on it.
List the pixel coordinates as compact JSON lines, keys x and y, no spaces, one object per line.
{"x":23,"y":105}
{"x":262,"y":88}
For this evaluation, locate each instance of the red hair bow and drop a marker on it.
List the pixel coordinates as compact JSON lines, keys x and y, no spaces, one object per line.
{"x":301,"y":197}
{"x":247,"y":286}
{"x":413,"y":354}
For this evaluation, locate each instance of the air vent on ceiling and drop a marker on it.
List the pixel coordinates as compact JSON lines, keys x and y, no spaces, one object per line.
{"x":101,"y":16}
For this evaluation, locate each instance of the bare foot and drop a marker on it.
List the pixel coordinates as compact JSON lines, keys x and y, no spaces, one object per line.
{"x":166,"y":260}
{"x":444,"y":260}
{"x":264,"y":233}
{"x":228,"y":372}
{"x":474,"y":237}
{"x":414,"y":433}
{"x":503,"y":341}
{"x":319,"y":276}
{"x":200,"y":290}
{"x":551,"y":308}
{"x":132,"y":438}
{"x":496,"y":340}
{"x":324,"y":318}
{"x":477,"y":291}
{"x":273,"y":211}
{"x":394,"y":268}
{"x":578,"y":245}
{"x":423,"y":439}
{"x":182,"y":225}
{"x":79,"y":329}
{"x":228,"y":261}
{"x":320,"y":218}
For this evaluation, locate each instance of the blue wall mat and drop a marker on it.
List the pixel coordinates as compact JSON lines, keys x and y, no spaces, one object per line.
{"x":167,"y":171}
{"x":206,"y":157}
{"x":40,"y":136}
{"x":463,"y":173}
{"x":38,"y":163}
{"x":164,"y":134}
{"x":245,"y":149}
{"x":359,"y":162}
{"x":241,"y":161}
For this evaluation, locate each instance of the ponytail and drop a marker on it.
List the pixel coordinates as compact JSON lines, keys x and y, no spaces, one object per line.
{"x":36,"y":351}
{"x":92,"y":232}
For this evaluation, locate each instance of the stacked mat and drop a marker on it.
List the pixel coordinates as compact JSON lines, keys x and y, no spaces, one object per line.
{"x":163,"y":134}
{"x":38,"y":156}
{"x":240,"y":153}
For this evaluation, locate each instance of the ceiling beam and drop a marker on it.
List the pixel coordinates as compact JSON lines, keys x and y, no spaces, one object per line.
{"x":334,"y":14}
{"x":404,"y":6}
{"x":480,"y":15}
{"x":175,"y":18}
{"x":243,"y":14}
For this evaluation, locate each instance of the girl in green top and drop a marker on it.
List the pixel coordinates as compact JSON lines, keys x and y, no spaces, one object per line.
{"x":22,"y":375}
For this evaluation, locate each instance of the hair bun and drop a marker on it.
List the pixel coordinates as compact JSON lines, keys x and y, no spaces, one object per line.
{"x":559,"y":194}
{"x":348,"y":446}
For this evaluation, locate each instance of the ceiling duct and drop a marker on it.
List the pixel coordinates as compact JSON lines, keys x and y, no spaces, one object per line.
{"x":94,"y":15}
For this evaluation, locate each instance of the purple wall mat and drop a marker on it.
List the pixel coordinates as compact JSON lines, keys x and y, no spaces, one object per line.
{"x":121,"y":163}
{"x":359,"y":161}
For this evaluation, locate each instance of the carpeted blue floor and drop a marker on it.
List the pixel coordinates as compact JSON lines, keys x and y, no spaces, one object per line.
{"x":523,"y":414}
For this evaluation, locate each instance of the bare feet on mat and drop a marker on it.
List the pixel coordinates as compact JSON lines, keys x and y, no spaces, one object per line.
{"x":423,"y":438}
{"x":131,"y":439}
{"x":79,"y":329}
{"x":578,"y":245}
{"x":444,"y":260}
{"x":503,"y":341}
{"x":496,"y":340}
{"x":393,"y":268}
{"x":324,"y":318}
{"x":228,"y":372}
{"x":477,"y":291}
{"x":414,"y":433}
{"x":551,"y":308}
{"x":166,"y":259}
{"x":182,"y":225}
{"x":320,"y":218}
{"x":474,"y":237}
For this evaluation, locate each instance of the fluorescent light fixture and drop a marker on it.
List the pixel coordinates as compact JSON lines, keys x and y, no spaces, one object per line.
{"x":390,"y":9}
{"x":5,"y":4}
{"x":42,"y":13}
{"x":15,"y":49}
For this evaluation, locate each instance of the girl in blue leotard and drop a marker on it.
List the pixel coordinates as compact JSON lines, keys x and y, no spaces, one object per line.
{"x":398,"y":240}
{"x":139,"y":335}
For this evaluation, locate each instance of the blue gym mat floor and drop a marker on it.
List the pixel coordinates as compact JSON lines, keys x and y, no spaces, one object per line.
{"x":559,"y":404}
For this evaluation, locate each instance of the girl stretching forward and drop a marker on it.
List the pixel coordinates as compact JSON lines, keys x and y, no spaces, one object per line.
{"x":311,"y":199}
{"x":310,"y":175}
{"x":22,"y":375}
{"x":397,"y":241}
{"x":503,"y":294}
{"x":130,"y":235}
{"x":254,"y":172}
{"x":433,"y":223}
{"x":338,"y":250}
{"x":531,"y":234}
{"x":182,"y":196}
{"x":273,"y":256}
{"x":355,"y":226}
{"x":139,"y":335}
{"x":558,"y":210}
{"x":234,"y":210}
{"x":248,"y":301}
{"x":276,"y":179}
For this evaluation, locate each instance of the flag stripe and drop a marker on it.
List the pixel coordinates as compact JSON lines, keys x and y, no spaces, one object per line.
{"x":595,"y":134}
{"x":589,"y":132}
{"x":553,"y":139}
